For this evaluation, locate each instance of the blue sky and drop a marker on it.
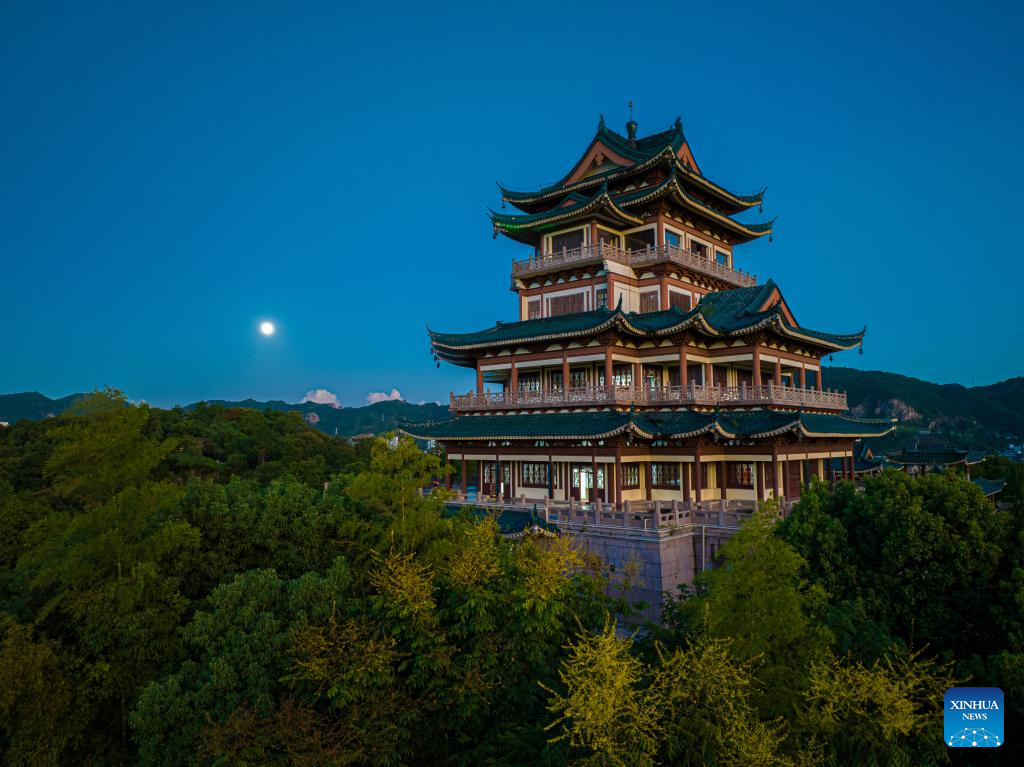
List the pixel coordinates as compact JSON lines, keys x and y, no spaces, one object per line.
{"x":173,"y":173}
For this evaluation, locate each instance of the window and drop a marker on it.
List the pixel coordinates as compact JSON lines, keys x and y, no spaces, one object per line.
{"x":739,"y":475}
{"x":566,"y":241}
{"x":536,"y":475}
{"x":555,"y":379}
{"x":529,"y":381}
{"x":721,"y":373}
{"x":533,"y":309}
{"x":490,"y":472}
{"x":705,"y":471}
{"x":673,"y":239}
{"x":608,"y":238}
{"x":640,"y":240}
{"x":585,"y":473}
{"x":630,"y":476}
{"x":679,"y":301}
{"x":695,"y":373}
{"x":652,"y":376}
{"x":722,"y":258}
{"x":566,"y":304}
{"x":601,"y":298}
{"x":649,"y":301}
{"x":665,"y":475}
{"x":578,"y":377}
{"x":699,"y":248}
{"x":622,"y":375}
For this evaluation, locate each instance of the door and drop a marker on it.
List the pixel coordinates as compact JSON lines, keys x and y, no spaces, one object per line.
{"x":582,"y":483}
{"x":793,"y":479}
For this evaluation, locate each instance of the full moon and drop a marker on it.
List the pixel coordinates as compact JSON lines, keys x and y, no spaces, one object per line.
{"x":267,"y":328}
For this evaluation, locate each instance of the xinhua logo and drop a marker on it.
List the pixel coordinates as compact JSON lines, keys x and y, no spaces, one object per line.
{"x":974,"y":717}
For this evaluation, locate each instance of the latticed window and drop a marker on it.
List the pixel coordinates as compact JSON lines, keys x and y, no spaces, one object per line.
{"x":529,"y":381}
{"x":740,"y":474}
{"x":608,"y":238}
{"x":649,"y":301}
{"x":601,"y":298}
{"x":585,"y":474}
{"x":665,"y":475}
{"x":679,"y":300}
{"x":555,"y":379}
{"x":640,"y":240}
{"x":699,"y":248}
{"x":630,"y":475}
{"x":533,"y":309}
{"x":566,"y":304}
{"x":622,"y":375}
{"x":491,"y":471}
{"x":578,"y":378}
{"x":535,"y":475}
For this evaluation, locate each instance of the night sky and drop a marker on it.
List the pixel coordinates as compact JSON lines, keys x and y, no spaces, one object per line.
{"x":172,"y":174}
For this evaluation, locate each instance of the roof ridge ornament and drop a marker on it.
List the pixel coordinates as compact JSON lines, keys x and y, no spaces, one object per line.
{"x":631,"y":126}
{"x":600,"y":123}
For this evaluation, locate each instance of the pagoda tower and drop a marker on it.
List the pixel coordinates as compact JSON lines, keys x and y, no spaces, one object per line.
{"x":646,"y":375}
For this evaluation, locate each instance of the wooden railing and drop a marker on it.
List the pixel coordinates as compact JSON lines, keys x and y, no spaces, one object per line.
{"x":600,"y":252}
{"x":693,"y":394}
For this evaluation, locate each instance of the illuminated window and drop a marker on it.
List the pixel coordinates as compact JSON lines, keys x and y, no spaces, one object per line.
{"x":665,"y":475}
{"x":630,"y":476}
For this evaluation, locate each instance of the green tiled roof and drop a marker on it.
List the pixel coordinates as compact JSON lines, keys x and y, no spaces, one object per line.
{"x":648,"y":425}
{"x":649,"y":150}
{"x":616,"y":208}
{"x":724,"y":313}
{"x":949,"y":457}
{"x":990,"y":486}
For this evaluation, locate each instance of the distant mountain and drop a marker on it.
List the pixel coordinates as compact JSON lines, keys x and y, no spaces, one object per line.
{"x":345,"y":421}
{"x":33,"y":406}
{"x":350,"y":421}
{"x":977,"y":416}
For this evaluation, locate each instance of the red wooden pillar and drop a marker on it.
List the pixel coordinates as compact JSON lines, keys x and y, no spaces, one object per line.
{"x":479,"y":479}
{"x":463,"y":462}
{"x":479,"y":379}
{"x":638,"y":374}
{"x":803,"y":377}
{"x":721,"y":479}
{"x":664,"y":293}
{"x":682,"y":365}
{"x":618,"y":476}
{"x":513,"y":378}
{"x":608,"y":366}
{"x":647,"y":478}
{"x":697,"y":474}
{"x":593,"y":474}
{"x":778,"y":371}
{"x":817,"y":377}
{"x":759,"y":468}
{"x":565,"y":371}
{"x":685,"y":479}
{"x":775,"y":473}
{"x":756,"y":362}
{"x":709,"y":374}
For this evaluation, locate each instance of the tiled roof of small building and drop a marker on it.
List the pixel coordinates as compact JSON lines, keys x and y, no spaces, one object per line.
{"x":947,"y":457}
{"x":990,"y":486}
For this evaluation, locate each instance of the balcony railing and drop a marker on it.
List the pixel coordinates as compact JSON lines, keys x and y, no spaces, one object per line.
{"x":694,"y":394}
{"x":601,"y":252}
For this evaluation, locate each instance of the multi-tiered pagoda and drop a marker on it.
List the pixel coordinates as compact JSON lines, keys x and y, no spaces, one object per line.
{"x":644,"y":366}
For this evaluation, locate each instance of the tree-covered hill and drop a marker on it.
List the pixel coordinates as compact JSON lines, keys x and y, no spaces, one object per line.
{"x":344,"y":421}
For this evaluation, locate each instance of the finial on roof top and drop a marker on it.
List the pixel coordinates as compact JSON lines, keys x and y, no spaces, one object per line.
{"x":631,"y":126}
{"x":600,"y":122}
{"x":679,"y":123}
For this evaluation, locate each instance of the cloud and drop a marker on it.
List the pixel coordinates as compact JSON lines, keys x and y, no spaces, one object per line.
{"x":322,"y":397}
{"x":379,"y":396}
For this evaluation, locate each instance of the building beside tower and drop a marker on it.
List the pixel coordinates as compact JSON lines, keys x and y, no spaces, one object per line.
{"x":646,"y":372}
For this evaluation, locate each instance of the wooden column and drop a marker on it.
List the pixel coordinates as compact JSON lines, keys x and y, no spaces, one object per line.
{"x":638,"y":373}
{"x":479,"y":379}
{"x":608,"y":367}
{"x":775,"y":473}
{"x":759,"y":469}
{"x":757,"y":365}
{"x":593,"y":474}
{"x":463,"y":462}
{"x":565,"y":372}
{"x":721,"y":479}
{"x":479,"y":479}
{"x":778,"y":371}
{"x":647,"y":478}
{"x":709,"y":374}
{"x":684,"y":479}
{"x":664,"y":293}
{"x":682,"y":365}
{"x":513,"y":384}
{"x":817,"y":377}
{"x":696,"y":474}
{"x":618,"y":476}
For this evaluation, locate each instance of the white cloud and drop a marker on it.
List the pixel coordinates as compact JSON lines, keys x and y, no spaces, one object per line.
{"x":322,"y":397}
{"x":379,"y":396}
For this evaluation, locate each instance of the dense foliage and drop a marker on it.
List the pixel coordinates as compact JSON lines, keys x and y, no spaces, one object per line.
{"x":227,"y":586}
